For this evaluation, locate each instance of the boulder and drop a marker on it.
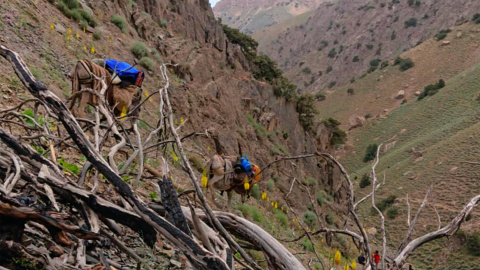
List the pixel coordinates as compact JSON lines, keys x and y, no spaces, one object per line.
{"x":356,"y":121}
{"x":60,"y":29}
{"x":400,"y":95}
{"x":445,"y":43}
{"x":459,"y":34}
{"x":417,"y":93}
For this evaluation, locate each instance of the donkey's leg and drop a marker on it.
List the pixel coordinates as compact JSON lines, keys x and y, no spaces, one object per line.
{"x":83,"y":103}
{"x":229,"y":203}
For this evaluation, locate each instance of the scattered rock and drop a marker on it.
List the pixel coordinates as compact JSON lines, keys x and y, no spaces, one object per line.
{"x":453,"y":169}
{"x":386,"y":110}
{"x":160,"y":36}
{"x":60,"y":29}
{"x":372,"y":231}
{"x":55,"y":251}
{"x":170,"y":34}
{"x":417,"y":93}
{"x":167,"y":246}
{"x":403,"y":130}
{"x":356,"y":121}
{"x":176,"y":263}
{"x":459,"y":34}
{"x":86,"y":7}
{"x":389,"y":146}
{"x":445,"y":43}
{"x":416,"y":155}
{"x":400,"y":95}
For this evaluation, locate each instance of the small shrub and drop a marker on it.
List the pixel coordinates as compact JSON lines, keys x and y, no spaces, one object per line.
{"x":392,"y":212}
{"x":365,"y":182}
{"x":412,"y":22}
{"x":97,"y":35}
{"x":385,"y":203}
{"x":375,"y":62}
{"x":329,"y":69}
{"x":320,"y":198}
{"x":473,"y":244}
{"x":368,"y":115}
{"x":282,"y":218}
{"x":355,"y":59}
{"x":270,"y":185}
{"x":147,"y":63}
{"x":255,"y":192}
{"x":476,"y":18}
{"x":71,"y":4}
{"x":370,"y":153}
{"x":332,"y":84}
{"x":329,"y":218}
{"x":283,"y":88}
{"x":250,"y":211}
{"x":350,"y":91}
{"x":265,"y":68}
{"x":139,"y":49}
{"x":332,"y":53}
{"x":309,"y":181}
{"x":306,"y":111}
{"x":163,"y":23}
{"x":404,"y":64}
{"x":442,"y":34}
{"x":310,"y":218}
{"x":320,"y":96}
{"x":369,"y":46}
{"x":307,"y":245}
{"x":384,"y":64}
{"x":306,"y":70}
{"x":120,"y":22}
{"x":431,"y":89}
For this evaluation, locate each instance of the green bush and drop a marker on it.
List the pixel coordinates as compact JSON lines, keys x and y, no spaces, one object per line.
{"x":260,"y":130}
{"x":442,"y":34}
{"x":71,"y":9}
{"x":473,"y":244}
{"x":332,"y":53}
{"x":307,"y":244}
{"x":350,"y":91}
{"x":120,"y":22}
{"x":329,"y":218}
{"x":97,"y":35}
{"x":404,"y":64}
{"x":365,"y":182}
{"x":371,"y":153}
{"x":412,"y":22}
{"x":384,"y":64}
{"x":375,"y":62}
{"x":476,"y":18}
{"x":338,"y":136}
{"x":320,"y":96}
{"x":282,"y":218}
{"x":248,"y":44}
{"x":250,"y":211}
{"x":147,"y":63}
{"x":163,"y":23}
{"x":283,"y":88}
{"x":306,"y":111}
{"x":310,"y":218}
{"x":309,"y":181}
{"x":385,"y":203}
{"x":320,"y":198}
{"x":265,"y":68}
{"x":255,"y":192}
{"x":355,"y":59}
{"x":139,"y":49}
{"x":329,"y":69}
{"x":306,"y":70}
{"x":270,"y":185}
{"x":392,"y":212}
{"x":71,"y":4}
{"x":431,"y":89}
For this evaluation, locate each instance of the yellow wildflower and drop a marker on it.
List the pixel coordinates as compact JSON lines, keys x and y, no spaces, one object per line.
{"x":51,"y":26}
{"x":354,"y":265}
{"x":264,"y":195}
{"x":338,"y":257}
{"x":92,"y":50}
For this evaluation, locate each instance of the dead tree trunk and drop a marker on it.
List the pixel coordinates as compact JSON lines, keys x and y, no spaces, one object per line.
{"x":172,"y":205}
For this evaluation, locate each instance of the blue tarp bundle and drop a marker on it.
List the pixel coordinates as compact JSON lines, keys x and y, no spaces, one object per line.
{"x":124,"y":70}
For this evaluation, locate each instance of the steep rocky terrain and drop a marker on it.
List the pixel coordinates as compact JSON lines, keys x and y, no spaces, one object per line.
{"x":212,"y":91}
{"x":251,"y":16}
{"x":338,"y":42}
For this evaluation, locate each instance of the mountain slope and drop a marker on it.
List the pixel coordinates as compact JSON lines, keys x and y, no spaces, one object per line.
{"x":347,"y":35}
{"x":428,"y":140}
{"x":250,"y":16}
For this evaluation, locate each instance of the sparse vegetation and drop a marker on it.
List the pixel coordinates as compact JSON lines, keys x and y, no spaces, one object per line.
{"x":431,"y":89}
{"x":320,"y":198}
{"x":442,"y":34}
{"x":270,"y":185}
{"x":310,"y":218}
{"x":282,"y":218}
{"x":72,"y":10}
{"x":307,"y":245}
{"x":338,"y":136}
{"x":248,"y":44}
{"x":332,"y":84}
{"x":139,"y":49}
{"x":265,"y":68}
{"x":412,"y":22}
{"x":387,"y":202}
{"x":476,"y":18}
{"x":365,"y":182}
{"x":147,"y":63}
{"x":392,"y":212}
{"x":283,"y":88}
{"x":320,"y":96}
{"x":330,"y":218}
{"x":332,"y":53}
{"x":250,"y":212}
{"x":404,"y":64}
{"x":306,"y":111}
{"x":259,"y":129}
{"x":329,"y":69}
{"x":355,"y":59}
{"x":120,"y":22}
{"x":350,"y":91}
{"x":306,"y":70}
{"x":97,"y":35}
{"x":371,"y":153}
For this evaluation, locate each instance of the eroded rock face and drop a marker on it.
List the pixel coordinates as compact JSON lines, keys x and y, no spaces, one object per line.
{"x":400,"y":94}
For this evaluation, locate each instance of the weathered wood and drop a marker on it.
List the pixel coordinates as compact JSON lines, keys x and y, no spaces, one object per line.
{"x":278,"y":257}
{"x":198,"y":256}
{"x":172,"y":205}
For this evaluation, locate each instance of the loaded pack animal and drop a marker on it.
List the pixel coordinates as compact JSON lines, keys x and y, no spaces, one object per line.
{"x":123,"y":82}
{"x":225,"y":173}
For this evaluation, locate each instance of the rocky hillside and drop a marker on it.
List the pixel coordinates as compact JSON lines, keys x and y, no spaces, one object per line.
{"x":338,"y":42}
{"x":251,"y":15}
